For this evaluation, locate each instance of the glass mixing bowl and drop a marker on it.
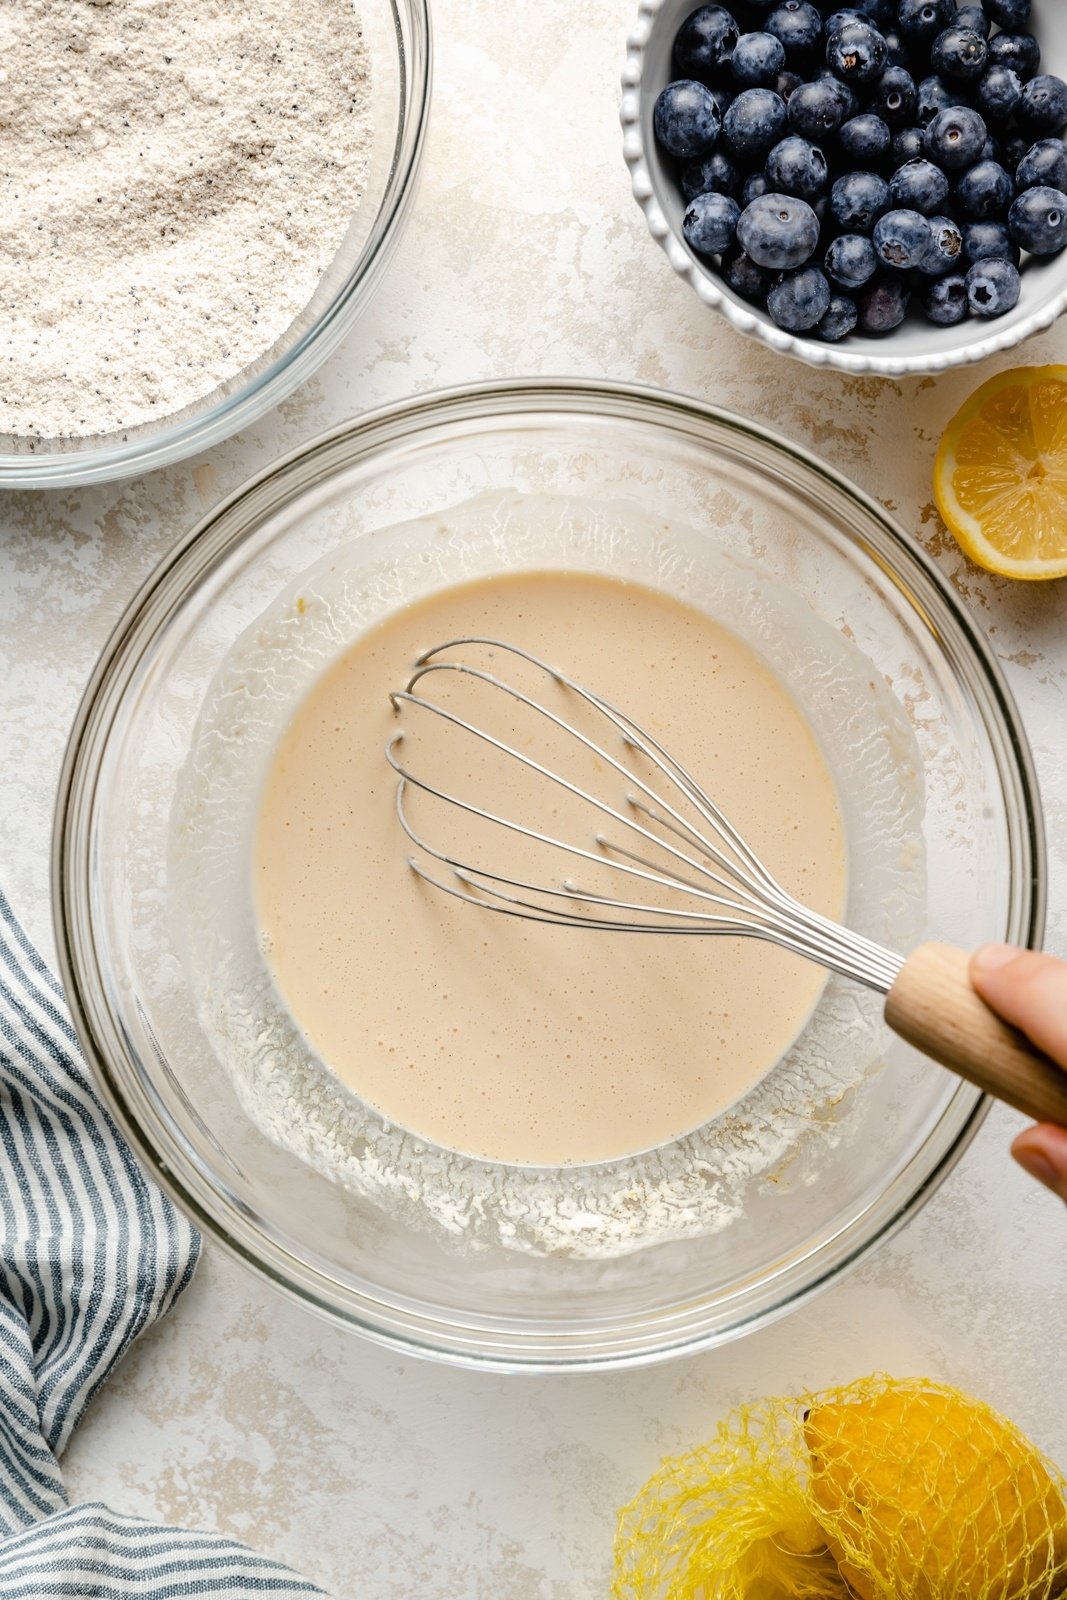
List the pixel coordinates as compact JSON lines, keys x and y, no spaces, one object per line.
{"x":152,"y":879}
{"x":397,"y":35}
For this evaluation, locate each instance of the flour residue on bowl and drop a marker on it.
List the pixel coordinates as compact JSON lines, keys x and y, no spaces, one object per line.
{"x":177,"y":177}
{"x":688,"y":1188}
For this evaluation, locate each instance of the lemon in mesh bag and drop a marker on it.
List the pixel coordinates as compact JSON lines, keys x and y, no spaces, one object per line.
{"x":884,"y":1490}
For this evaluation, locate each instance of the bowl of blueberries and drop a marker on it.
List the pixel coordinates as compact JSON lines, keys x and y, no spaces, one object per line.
{"x":880,"y":187}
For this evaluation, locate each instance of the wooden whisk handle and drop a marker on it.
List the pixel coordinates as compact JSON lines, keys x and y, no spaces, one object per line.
{"x":934,"y":1007}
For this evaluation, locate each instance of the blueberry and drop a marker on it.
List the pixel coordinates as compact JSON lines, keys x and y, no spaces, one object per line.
{"x":934,"y":95}
{"x":839,"y":321}
{"x":757,"y":60}
{"x":883,"y":305}
{"x":797,"y":167}
{"x":857,"y":201}
{"x":919,"y":186}
{"x":798,"y":25}
{"x":710,"y":223}
{"x":907,"y":145}
{"x":985,"y":190}
{"x":753,"y":187}
{"x":741,"y":274}
{"x":954,"y":138}
{"x":865,"y":140}
{"x":799,"y":300}
{"x":706,"y":40}
{"x":1020,"y":51}
{"x":880,"y":12}
{"x":946,"y":248}
{"x":984,"y":241}
{"x":1012,"y":14}
{"x":896,"y":48}
{"x":850,"y":100}
{"x":711,"y":174}
{"x":786,"y":84}
{"x":959,"y":54}
{"x":991,"y":150}
{"x":1045,"y":162}
{"x":1013,"y":147}
{"x":895,"y":97}
{"x":1038,"y":220}
{"x":686,"y":119}
{"x":778,"y":231}
{"x":851,"y":261}
{"x":723,"y":96}
{"x":920,"y":21}
{"x":993,"y":288}
{"x":945,"y":302}
{"x":817,"y":109}
{"x":857,"y":53}
{"x":998,"y":93}
{"x":754,"y":122}
{"x":1043,"y":105}
{"x":902,"y":239}
{"x":974,"y":18}
{"x":837,"y":19}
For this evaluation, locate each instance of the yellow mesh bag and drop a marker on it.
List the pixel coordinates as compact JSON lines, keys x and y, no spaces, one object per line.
{"x":884,"y":1490}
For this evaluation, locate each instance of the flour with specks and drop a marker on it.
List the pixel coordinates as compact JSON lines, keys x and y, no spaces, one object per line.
{"x":176,"y":175}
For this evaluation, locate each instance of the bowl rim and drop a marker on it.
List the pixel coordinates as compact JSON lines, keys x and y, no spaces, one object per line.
{"x":154,"y":446}
{"x":488,"y":1342}
{"x":746,"y":319}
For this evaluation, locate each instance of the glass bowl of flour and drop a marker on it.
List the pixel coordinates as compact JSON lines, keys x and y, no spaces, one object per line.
{"x":198,"y":202}
{"x":678,"y":1237}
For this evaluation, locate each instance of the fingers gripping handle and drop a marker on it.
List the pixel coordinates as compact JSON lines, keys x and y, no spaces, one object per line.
{"x":934,"y":1007}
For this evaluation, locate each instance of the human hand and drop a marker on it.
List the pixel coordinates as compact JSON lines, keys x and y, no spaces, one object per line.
{"x":1029,"y":990}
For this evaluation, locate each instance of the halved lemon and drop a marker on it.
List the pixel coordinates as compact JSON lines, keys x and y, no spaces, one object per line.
{"x":1001,"y":475}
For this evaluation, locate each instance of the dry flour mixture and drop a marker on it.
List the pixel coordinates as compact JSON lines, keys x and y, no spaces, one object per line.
{"x":175,"y":177}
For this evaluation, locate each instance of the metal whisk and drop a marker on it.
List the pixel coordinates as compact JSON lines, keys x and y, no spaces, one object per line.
{"x":680,"y":866}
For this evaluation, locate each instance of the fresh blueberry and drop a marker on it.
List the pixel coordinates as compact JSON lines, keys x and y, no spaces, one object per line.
{"x":1013,"y":147}
{"x":986,"y":241}
{"x":919,"y":186}
{"x":857,"y":53}
{"x":907,"y":145}
{"x":1038,"y":220}
{"x":946,"y":248}
{"x":850,"y":100}
{"x":741,"y":274}
{"x":973,"y":17}
{"x":985,"y":190}
{"x":865,"y":140}
{"x":998,"y":93}
{"x":991,"y":150}
{"x":798,"y":25}
{"x":959,"y":54}
{"x":710,"y":223}
{"x":711,"y":174}
{"x":857,"y":201}
{"x":920,"y":21}
{"x":895,"y":97}
{"x":1043,"y":105}
{"x":817,"y":110}
{"x":754,"y":187}
{"x":723,"y":95}
{"x":934,"y":95}
{"x":839,"y":321}
{"x":754,"y":122}
{"x":1011,"y":14}
{"x":1045,"y":162}
{"x":954,"y":138}
{"x":902,"y":239}
{"x":786,"y":84}
{"x":757,"y":60}
{"x":883,"y":305}
{"x":797,"y":167}
{"x":705,"y":41}
{"x":1020,"y":51}
{"x":851,"y":261}
{"x":993,"y":288}
{"x":799,"y":300}
{"x":945,"y":302}
{"x":778,"y":231}
{"x":880,"y":12}
{"x":686,"y":119}
{"x":896,"y":48}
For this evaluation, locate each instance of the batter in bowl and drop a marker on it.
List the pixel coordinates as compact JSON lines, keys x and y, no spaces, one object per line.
{"x":504,"y":1039}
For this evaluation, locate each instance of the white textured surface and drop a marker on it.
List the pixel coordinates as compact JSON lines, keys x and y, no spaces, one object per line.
{"x":381,"y":1478}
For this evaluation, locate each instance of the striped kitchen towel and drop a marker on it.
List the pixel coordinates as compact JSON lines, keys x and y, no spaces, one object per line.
{"x":91,"y":1254}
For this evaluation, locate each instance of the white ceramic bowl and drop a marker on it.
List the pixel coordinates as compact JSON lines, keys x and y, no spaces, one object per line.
{"x":917,"y":346}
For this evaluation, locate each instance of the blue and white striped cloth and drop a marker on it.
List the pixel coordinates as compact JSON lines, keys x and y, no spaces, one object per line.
{"x":91,"y":1253}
